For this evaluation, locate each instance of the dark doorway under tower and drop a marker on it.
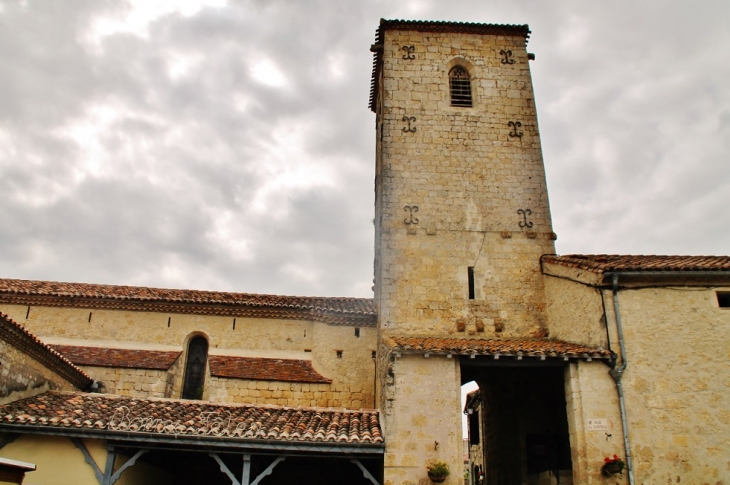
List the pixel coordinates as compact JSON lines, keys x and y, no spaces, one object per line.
{"x":522,"y":422}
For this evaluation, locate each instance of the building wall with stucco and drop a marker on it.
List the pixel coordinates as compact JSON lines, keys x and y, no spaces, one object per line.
{"x":340,"y":353}
{"x":59,"y":462}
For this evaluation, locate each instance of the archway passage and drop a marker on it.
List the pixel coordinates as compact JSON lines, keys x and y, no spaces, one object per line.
{"x":522,"y":423}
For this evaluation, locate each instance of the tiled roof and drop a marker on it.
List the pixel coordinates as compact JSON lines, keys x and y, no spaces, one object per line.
{"x":432,"y":26}
{"x":332,"y":310}
{"x":16,"y":335}
{"x":496,"y":347}
{"x":602,"y":263}
{"x":128,"y":358}
{"x":178,"y":418}
{"x":267,"y":369}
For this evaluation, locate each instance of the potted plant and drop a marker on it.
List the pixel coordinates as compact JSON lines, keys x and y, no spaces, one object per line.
{"x":438,"y":471}
{"x":612,"y":466}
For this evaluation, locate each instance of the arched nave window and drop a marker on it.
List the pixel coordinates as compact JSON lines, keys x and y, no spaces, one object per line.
{"x":195,"y":365}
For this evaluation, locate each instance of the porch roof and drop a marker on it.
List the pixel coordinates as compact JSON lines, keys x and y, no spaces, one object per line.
{"x":120,"y":417}
{"x":541,"y":348}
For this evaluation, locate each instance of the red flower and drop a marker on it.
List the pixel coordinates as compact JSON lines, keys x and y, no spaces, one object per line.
{"x":615,"y":457}
{"x":607,"y":460}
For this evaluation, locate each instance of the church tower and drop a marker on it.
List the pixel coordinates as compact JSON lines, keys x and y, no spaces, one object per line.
{"x":461,"y":220}
{"x":461,"y":205}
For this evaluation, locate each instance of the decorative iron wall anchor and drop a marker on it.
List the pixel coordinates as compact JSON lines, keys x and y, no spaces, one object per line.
{"x":411,"y":120}
{"x":507,"y":57}
{"x":409,"y":50}
{"x":411,"y":209}
{"x":515,"y":125}
{"x":524,"y":222}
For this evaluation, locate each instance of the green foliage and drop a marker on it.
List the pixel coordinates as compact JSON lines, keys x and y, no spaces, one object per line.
{"x":438,"y":469}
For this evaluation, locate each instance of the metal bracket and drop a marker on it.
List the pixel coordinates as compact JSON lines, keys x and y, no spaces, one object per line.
{"x":111,"y":455}
{"x":225,"y":469}
{"x":525,"y":222}
{"x":88,"y":459}
{"x":515,"y":125}
{"x":268,"y":470}
{"x":411,"y":128}
{"x":411,"y":209}
{"x":129,"y":463}
{"x":246,"y":478}
{"x":507,"y":57}
{"x":365,"y":471}
{"x":107,"y":477}
{"x":246,"y":469}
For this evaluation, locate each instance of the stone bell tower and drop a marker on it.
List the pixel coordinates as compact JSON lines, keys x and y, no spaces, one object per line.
{"x":461,"y":220}
{"x":461,"y":205}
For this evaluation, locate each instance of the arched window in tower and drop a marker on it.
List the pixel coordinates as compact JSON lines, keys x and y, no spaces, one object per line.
{"x":195,"y":368}
{"x":460,"y":87}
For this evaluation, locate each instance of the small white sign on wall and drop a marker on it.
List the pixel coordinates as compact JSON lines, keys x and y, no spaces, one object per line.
{"x":597,"y":424}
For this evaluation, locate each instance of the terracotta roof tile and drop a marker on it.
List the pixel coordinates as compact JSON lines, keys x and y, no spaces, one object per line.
{"x":128,"y":358}
{"x":267,"y":369}
{"x":602,"y":263}
{"x":332,"y":310}
{"x":20,"y":338}
{"x":131,"y":416}
{"x":433,"y":26}
{"x":506,"y":347}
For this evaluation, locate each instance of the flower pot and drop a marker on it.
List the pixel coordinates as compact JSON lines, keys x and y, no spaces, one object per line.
{"x":611,"y":468}
{"x":437,"y":478}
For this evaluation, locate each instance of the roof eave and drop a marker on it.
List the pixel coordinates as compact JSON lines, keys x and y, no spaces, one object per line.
{"x":667,"y":277}
{"x":208,"y":442}
{"x":496,"y":356}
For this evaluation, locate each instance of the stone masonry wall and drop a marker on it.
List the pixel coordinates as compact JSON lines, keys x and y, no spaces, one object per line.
{"x":468,"y":178}
{"x":337,"y":352}
{"x":423,"y":420}
{"x":676,"y":386}
{"x":22,"y":376}
{"x":591,"y":395}
{"x":575,"y":311}
{"x":282,"y":393}
{"x":129,"y":382}
{"x":449,"y":184}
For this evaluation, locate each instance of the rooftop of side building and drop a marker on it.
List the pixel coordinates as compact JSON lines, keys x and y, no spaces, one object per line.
{"x":332,"y":310}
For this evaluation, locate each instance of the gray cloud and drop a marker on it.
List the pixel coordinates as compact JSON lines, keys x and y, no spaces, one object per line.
{"x":233,"y":149}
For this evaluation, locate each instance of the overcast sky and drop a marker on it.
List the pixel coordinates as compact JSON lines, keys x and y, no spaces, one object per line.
{"x":227,"y":145}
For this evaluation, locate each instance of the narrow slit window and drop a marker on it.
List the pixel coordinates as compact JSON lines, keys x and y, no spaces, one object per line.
{"x":470,"y":274}
{"x":460,"y":87}
{"x":723,"y":299}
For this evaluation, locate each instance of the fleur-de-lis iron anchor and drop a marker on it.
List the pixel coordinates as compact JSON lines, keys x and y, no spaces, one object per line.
{"x":409,"y":49}
{"x":411,"y":127}
{"x":410,"y":219}
{"x":507,"y":57}
{"x":515,"y":125}
{"x":524,"y":222}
